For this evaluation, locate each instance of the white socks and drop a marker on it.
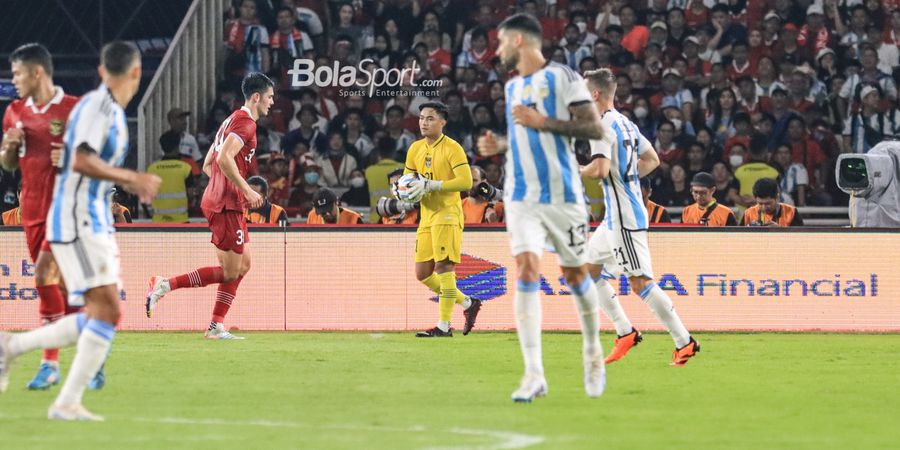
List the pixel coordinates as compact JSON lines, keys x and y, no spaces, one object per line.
{"x":443,"y":326}
{"x":587,"y":303}
{"x":62,"y":333}
{"x":662,"y":307}
{"x":93,"y":346}
{"x":467,"y":302}
{"x":528,"y":325}
{"x":610,"y":305}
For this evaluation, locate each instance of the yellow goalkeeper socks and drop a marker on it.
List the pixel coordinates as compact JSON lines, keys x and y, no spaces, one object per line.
{"x":433,"y":283}
{"x":448,"y":295}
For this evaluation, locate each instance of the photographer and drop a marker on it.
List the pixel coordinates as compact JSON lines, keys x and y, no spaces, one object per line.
{"x":484,"y":204}
{"x":394,"y":211}
{"x":768,"y":211}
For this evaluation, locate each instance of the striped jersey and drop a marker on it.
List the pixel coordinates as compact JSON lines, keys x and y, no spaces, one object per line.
{"x":622,"y":144}
{"x":81,"y":205}
{"x":541,"y":166}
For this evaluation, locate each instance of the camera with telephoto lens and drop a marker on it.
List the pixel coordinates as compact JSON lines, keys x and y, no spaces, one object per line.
{"x":488,"y":192}
{"x":390,"y":207}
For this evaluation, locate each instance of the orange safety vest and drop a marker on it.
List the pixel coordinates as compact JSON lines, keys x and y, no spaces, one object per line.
{"x":785,"y":216}
{"x":411,"y":218}
{"x":255,"y":217}
{"x":714,"y":215}
{"x":656,"y":212}
{"x":346,"y":217}
{"x":473,"y":212}
{"x":13,"y":217}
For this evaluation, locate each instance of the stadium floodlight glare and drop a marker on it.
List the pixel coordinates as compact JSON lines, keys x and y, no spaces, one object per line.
{"x":873,"y":182}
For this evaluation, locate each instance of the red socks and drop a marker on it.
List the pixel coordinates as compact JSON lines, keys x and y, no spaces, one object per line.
{"x":198,"y":278}
{"x":52,"y":308}
{"x":224,"y":296}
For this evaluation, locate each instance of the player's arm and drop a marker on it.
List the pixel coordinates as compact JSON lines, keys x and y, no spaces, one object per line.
{"x":208,"y":160}
{"x":409,"y":165}
{"x":647,"y":162}
{"x":225,"y":161}
{"x":462,"y":175}
{"x":12,"y":140}
{"x":87,"y":163}
{"x":601,"y":154}
{"x":585,"y":122}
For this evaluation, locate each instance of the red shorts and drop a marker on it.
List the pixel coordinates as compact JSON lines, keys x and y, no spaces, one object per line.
{"x":229,"y":230}
{"x":35,"y":237}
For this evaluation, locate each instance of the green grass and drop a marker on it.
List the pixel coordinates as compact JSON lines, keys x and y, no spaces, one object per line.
{"x":392,"y":391}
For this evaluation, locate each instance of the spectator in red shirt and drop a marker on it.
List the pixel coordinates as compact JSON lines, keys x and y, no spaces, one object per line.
{"x":635,"y":36}
{"x":740,"y":61}
{"x":247,"y":42}
{"x":624,"y":98}
{"x":798,"y":95}
{"x":439,"y":59}
{"x":806,"y":151}
{"x":696,"y":14}
{"x":665,"y":146}
{"x":814,"y":35}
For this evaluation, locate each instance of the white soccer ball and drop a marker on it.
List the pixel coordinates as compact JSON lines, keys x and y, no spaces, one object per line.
{"x":403,"y":188}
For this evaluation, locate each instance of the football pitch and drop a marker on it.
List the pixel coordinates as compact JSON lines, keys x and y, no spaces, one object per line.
{"x":393,"y":391}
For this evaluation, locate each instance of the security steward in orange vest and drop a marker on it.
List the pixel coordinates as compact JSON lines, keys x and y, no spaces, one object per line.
{"x":12,"y":217}
{"x":705,"y":210}
{"x":268,"y":212}
{"x":658,"y":214}
{"x":483,"y":204}
{"x":768,"y":212}
{"x":327,"y":211}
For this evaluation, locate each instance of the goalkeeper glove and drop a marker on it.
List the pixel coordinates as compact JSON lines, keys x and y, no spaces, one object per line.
{"x":422,"y":186}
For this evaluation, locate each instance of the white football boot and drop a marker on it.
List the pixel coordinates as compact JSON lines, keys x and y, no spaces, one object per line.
{"x":531,"y":386}
{"x":159,"y":286}
{"x":6,"y":360}
{"x":219,"y":332}
{"x":72,"y":413}
{"x":594,"y":376}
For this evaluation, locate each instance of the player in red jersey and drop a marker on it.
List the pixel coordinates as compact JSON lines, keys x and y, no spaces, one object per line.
{"x":228,"y":163}
{"x":33,"y":127}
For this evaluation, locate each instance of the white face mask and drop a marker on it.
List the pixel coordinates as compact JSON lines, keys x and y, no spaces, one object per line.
{"x":582,"y":26}
{"x":357,"y":182}
{"x":736,"y":160}
{"x":640,"y":112}
{"x":677,"y":123}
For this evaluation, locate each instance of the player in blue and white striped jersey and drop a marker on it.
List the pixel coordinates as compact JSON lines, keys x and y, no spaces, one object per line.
{"x":80,"y":230}
{"x":547,"y":105}
{"x":619,"y":245}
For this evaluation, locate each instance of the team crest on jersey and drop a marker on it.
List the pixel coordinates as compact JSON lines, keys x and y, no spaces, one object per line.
{"x":428,"y":161}
{"x":56,"y":127}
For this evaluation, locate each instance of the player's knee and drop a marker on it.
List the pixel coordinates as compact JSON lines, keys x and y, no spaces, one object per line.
{"x":574,"y":276}
{"x":638,"y":284}
{"x":245,"y":266}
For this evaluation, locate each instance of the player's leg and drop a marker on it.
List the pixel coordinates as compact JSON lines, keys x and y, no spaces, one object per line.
{"x":234,"y":266}
{"x":601,"y":256}
{"x":425,"y":273}
{"x":52,"y":304}
{"x":527,"y":238}
{"x":567,"y":228}
{"x":662,"y":307}
{"x":447,"y":251}
{"x":93,"y":346}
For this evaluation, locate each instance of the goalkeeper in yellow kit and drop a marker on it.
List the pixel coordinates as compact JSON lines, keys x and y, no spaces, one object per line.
{"x":443,"y":172}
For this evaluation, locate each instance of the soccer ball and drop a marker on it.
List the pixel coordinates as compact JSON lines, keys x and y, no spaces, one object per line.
{"x":403,"y":188}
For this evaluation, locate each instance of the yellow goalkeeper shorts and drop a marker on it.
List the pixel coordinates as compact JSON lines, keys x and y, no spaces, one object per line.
{"x":439,"y":242}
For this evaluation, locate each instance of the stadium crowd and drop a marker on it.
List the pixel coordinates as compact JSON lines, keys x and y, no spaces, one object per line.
{"x":738,"y":89}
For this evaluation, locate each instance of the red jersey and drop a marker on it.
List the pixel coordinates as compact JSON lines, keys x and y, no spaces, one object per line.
{"x":221,"y":194}
{"x":43,"y":125}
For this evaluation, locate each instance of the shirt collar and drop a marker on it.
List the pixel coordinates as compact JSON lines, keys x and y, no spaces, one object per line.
{"x":57,"y":99}
{"x":247,"y":110}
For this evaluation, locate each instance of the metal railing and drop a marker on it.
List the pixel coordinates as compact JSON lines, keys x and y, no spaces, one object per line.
{"x":186,"y":78}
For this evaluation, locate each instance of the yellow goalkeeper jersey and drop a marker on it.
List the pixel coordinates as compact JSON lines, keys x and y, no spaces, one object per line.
{"x":436,"y":162}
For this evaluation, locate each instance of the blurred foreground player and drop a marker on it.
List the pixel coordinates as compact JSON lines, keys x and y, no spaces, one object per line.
{"x":443,"y":172}
{"x":227,"y":163}
{"x":81,"y":232}
{"x":33,"y":127}
{"x":548,"y":104}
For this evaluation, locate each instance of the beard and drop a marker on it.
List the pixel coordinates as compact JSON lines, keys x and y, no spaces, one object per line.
{"x":509,"y":62}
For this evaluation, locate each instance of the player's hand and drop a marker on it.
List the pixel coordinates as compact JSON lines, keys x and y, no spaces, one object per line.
{"x":254,"y":199}
{"x":13,"y":138}
{"x":488,"y":145}
{"x":528,"y":117}
{"x":422,"y":186}
{"x":144,"y":186}
{"x":56,"y":150}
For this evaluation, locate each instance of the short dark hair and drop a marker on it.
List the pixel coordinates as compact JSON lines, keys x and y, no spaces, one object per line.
{"x":257,"y":180}
{"x":254,"y":83}
{"x":33,"y":54}
{"x":602,"y":79}
{"x":524,"y":23}
{"x":169,"y":141}
{"x":118,"y":56}
{"x":397,"y":108}
{"x":759,"y":144}
{"x":437,"y":106}
{"x":285,"y":8}
{"x":765,"y":188}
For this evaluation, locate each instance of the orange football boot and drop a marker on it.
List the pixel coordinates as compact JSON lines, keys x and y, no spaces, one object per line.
{"x":623,"y":344}
{"x":681,"y":355}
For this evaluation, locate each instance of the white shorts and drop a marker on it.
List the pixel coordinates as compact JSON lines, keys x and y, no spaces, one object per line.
{"x":534,"y":225}
{"x":621,"y":252}
{"x":88,"y":262}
